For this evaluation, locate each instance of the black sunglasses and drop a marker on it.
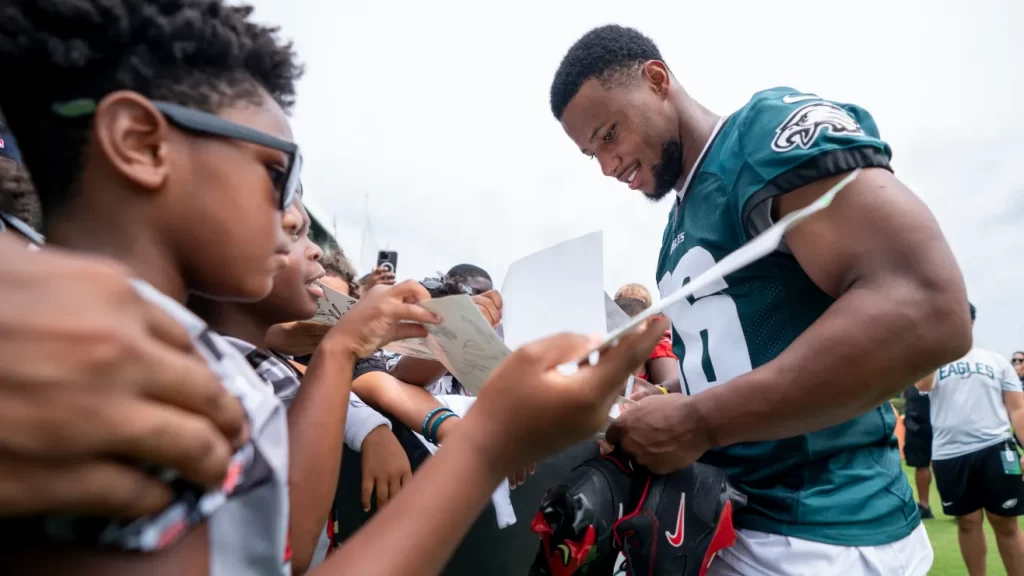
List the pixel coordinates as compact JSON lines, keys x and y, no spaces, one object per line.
{"x":1018,"y":360}
{"x":286,"y":181}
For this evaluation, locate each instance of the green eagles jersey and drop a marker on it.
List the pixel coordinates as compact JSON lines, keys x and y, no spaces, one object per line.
{"x":842,"y":485}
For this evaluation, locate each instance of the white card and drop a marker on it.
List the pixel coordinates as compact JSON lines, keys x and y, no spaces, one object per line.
{"x":761,"y":246}
{"x":332,"y":305}
{"x":558,"y":289}
{"x":469,"y":344}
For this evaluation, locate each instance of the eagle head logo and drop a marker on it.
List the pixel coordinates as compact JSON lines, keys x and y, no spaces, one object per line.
{"x":803,"y":126}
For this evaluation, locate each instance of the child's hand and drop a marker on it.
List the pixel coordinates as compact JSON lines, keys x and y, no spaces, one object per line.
{"x":385,"y":467}
{"x":528,"y":409}
{"x":382,"y":316}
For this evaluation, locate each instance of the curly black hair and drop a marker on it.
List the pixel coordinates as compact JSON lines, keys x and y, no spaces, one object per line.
{"x":613,"y":54}
{"x":203,"y":54}
{"x":336,"y":264}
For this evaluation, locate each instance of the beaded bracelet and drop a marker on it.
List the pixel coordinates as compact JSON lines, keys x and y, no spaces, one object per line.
{"x":431,"y":414}
{"x":437,"y":426}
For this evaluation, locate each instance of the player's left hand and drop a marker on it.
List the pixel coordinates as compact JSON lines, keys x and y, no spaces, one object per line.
{"x":663,"y":433}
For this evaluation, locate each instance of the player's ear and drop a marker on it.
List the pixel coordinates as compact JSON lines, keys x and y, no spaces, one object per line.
{"x":656,"y":73}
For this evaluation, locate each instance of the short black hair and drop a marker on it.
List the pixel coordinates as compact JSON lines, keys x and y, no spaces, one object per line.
{"x":974,"y":311}
{"x":463,"y":272}
{"x":631,"y":306}
{"x":204,"y":54}
{"x":612,"y":53}
{"x":1021,"y":352}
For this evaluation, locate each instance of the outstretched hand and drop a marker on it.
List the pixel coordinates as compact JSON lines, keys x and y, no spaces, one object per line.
{"x":383,"y":315}
{"x":528,"y":409}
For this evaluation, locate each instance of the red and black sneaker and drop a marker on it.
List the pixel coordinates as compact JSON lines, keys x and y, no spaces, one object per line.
{"x":576,"y":517}
{"x":681,"y":521}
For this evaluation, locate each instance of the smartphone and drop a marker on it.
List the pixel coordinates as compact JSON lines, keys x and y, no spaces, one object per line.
{"x":388,"y":259}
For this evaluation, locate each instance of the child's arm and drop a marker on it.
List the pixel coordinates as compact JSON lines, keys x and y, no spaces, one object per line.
{"x":409,"y":404}
{"x":526,"y":411}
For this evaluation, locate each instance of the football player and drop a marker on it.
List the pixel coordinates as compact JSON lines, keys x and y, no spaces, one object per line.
{"x":786,"y":365}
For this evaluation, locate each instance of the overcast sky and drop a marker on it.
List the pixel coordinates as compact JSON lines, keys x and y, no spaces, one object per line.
{"x":438,"y":111}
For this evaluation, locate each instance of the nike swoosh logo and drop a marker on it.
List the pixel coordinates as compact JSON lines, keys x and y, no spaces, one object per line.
{"x":947,"y":503}
{"x":794,"y":98}
{"x":676,"y":540}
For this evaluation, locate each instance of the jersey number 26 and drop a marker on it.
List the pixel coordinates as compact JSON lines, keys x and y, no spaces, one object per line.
{"x":714,"y":349}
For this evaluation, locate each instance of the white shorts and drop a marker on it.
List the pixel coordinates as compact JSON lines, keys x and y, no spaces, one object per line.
{"x":761,"y":554}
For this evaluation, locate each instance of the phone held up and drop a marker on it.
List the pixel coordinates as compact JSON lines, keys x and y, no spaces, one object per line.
{"x":388,"y":259}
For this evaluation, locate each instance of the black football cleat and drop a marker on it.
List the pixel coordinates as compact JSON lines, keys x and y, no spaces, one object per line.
{"x":576,"y":517}
{"x":681,"y":521}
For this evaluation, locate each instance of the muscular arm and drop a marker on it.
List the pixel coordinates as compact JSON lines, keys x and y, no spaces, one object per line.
{"x":316,"y":427}
{"x":900,"y":312}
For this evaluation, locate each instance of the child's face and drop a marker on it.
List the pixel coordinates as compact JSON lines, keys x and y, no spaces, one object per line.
{"x":223,"y":207}
{"x":294,"y":294}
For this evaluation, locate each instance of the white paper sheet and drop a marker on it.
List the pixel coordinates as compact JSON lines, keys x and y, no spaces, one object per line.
{"x":614,"y":317}
{"x":555,"y":290}
{"x":332,"y":305}
{"x":469,"y":344}
{"x":761,"y":246}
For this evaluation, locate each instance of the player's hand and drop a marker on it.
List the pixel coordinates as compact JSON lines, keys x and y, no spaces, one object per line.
{"x":380,"y":276}
{"x":385,"y":467}
{"x":490,"y":305}
{"x":528,"y":409}
{"x":663,"y":433}
{"x":92,"y":376}
{"x":642,"y":389}
{"x":296,"y":338}
{"x":383,"y":315}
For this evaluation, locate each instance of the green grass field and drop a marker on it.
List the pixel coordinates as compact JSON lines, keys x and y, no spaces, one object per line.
{"x":942,"y":533}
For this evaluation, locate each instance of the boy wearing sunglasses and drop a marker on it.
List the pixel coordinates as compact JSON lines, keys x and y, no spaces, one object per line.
{"x":174,"y":156}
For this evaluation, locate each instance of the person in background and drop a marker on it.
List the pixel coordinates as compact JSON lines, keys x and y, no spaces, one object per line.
{"x":315,"y":425}
{"x":917,"y":444}
{"x":637,"y":291}
{"x":976,"y":403}
{"x":1018,"y":364}
{"x":661,"y":367}
{"x":339,"y":273}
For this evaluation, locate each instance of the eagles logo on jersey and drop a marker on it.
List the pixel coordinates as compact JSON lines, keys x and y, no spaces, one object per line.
{"x":804,"y":125}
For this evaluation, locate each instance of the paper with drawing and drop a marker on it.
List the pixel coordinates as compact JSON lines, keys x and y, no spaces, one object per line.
{"x":332,"y":305}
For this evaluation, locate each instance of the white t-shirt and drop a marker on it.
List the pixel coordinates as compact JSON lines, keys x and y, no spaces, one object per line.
{"x":967,"y":408}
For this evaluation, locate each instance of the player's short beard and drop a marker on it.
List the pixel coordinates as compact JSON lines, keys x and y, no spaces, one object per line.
{"x":667,"y":171}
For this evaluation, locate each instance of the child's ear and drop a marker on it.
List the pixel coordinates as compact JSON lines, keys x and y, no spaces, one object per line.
{"x":131,"y":135}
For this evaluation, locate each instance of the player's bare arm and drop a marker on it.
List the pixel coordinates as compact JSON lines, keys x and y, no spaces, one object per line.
{"x":900,"y":312}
